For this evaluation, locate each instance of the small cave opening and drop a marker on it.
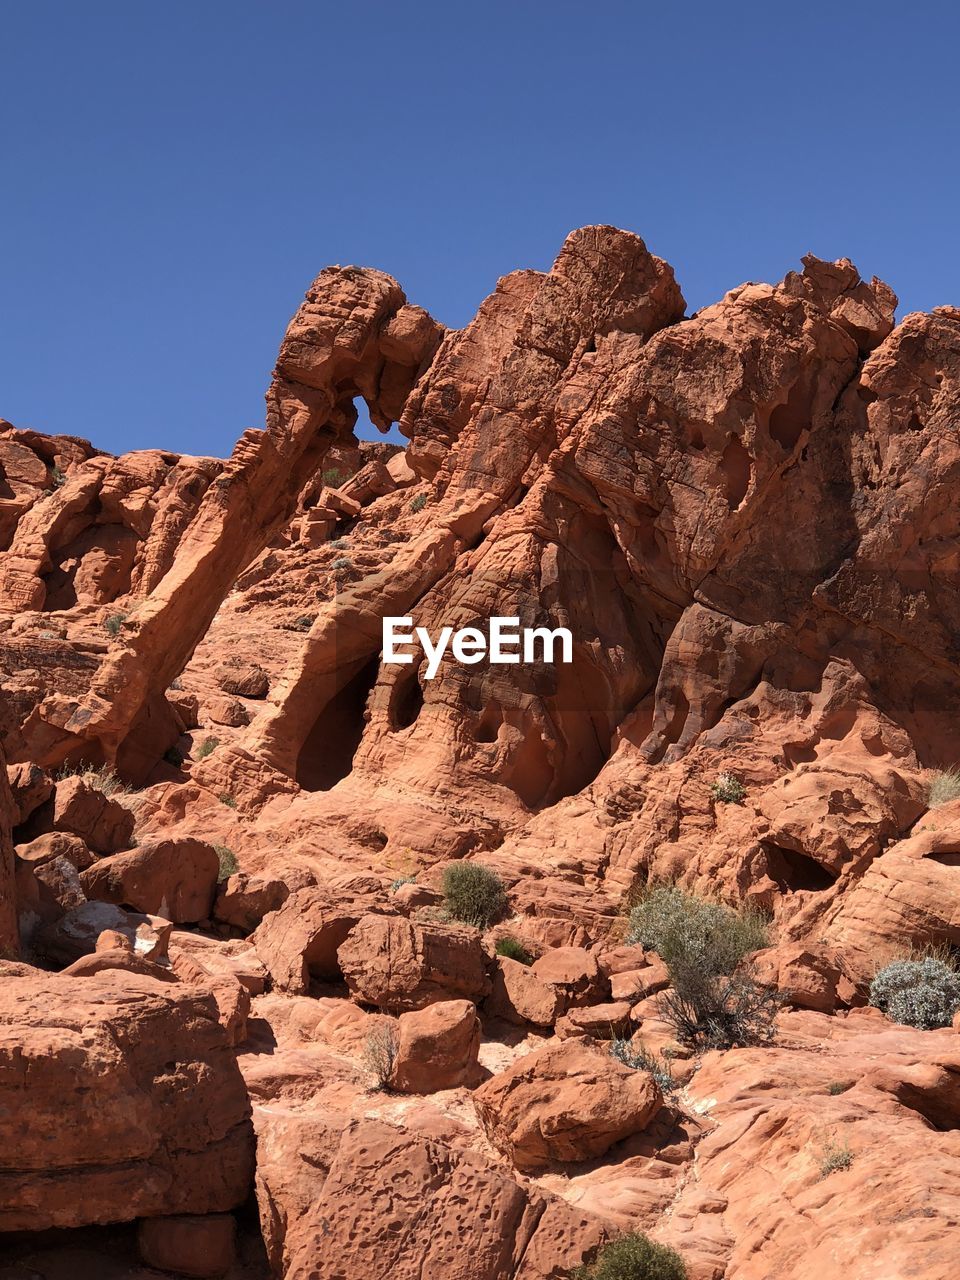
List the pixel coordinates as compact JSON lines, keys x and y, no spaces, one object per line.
{"x":795,"y":871}
{"x":488,"y":726}
{"x":406,"y":700}
{"x":788,"y":421}
{"x":327,"y":754}
{"x":736,"y":466}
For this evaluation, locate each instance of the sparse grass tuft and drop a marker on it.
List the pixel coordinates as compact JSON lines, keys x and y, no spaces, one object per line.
{"x":473,"y":894}
{"x":836,"y":1087}
{"x":834,"y":1158}
{"x":226,"y":798}
{"x":380,"y":1052}
{"x":401,"y":881}
{"x":114,"y":623}
{"x":639,"y":1058}
{"x":206,"y":748}
{"x":944,"y":787}
{"x":418,"y":503}
{"x":228,"y":862}
{"x":342,"y":562}
{"x":513,"y":949}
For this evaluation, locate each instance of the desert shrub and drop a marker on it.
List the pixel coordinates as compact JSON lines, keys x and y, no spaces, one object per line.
{"x":836,"y":1087}
{"x":113,"y":624}
{"x":633,"y":1257}
{"x":834,"y":1158}
{"x":418,"y":503}
{"x":174,"y":756}
{"x":342,"y":562}
{"x":472,"y":893}
{"x":684,"y":929}
{"x":702,"y":943}
{"x":922,"y":993}
{"x":401,"y":881}
{"x":638,"y":1058}
{"x":99,"y":777}
{"x":333,"y":477}
{"x":380,"y":1052}
{"x":340,"y":543}
{"x":226,"y":798}
{"x":728,"y":789}
{"x":721,"y":1011}
{"x":228,"y":862}
{"x":57,"y":476}
{"x":944,"y":786}
{"x":206,"y":748}
{"x":513,"y":949}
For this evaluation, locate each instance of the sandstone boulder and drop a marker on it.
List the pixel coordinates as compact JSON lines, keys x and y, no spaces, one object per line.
{"x":566,"y":1103}
{"x":76,"y":933}
{"x":244,"y":899}
{"x":196,"y":1245}
{"x":436,"y":1047}
{"x":365,"y":1199}
{"x":301,"y":939}
{"x":100,"y":821}
{"x":600,"y":1021}
{"x":519,"y":996}
{"x":175,"y":879}
{"x":398,"y":964}
{"x":119,"y":1098}
{"x":243,"y":680}
{"x":574,"y":974}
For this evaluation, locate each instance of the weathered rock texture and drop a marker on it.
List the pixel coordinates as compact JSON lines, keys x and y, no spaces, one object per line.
{"x":117,"y":1101}
{"x":747,"y":519}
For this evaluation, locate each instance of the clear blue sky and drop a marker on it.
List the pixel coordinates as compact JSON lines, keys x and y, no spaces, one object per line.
{"x":174,"y":174}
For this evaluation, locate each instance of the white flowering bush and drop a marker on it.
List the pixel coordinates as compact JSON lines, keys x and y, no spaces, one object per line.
{"x":921,"y":993}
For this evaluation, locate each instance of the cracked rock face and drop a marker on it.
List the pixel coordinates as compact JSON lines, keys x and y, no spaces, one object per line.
{"x":747,"y":520}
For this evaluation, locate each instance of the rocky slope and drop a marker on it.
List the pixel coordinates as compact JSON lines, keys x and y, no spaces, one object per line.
{"x":224,"y":820}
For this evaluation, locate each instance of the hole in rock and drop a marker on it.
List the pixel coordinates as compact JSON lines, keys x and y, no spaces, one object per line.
{"x":95,"y":567}
{"x":795,"y":871}
{"x":327,"y":754}
{"x":946,"y":857}
{"x":736,"y":466}
{"x":406,"y":700}
{"x":489,"y":724}
{"x":789,"y":420}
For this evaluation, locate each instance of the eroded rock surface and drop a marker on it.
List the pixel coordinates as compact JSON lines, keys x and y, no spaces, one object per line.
{"x":747,"y":519}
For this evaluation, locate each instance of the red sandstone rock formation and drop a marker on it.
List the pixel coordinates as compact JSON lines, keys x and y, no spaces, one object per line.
{"x":747,"y":519}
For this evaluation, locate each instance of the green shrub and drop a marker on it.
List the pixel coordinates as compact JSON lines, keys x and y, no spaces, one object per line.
{"x":944,"y":786}
{"x":728,"y":789}
{"x":57,"y":476}
{"x":206,"y":748}
{"x":226,"y":798}
{"x":333,"y":477}
{"x":228,"y":862}
{"x":513,"y":949}
{"x":836,"y":1087}
{"x":685,"y":929}
{"x":702,"y":943}
{"x":401,"y":881}
{"x":922,"y":993}
{"x":834,"y":1158}
{"x":114,"y":623}
{"x":473,"y":894}
{"x":418,"y":503}
{"x":634,"y":1257}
